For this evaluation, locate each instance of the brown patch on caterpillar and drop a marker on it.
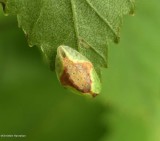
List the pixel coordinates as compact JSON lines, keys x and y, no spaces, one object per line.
{"x":77,"y":75}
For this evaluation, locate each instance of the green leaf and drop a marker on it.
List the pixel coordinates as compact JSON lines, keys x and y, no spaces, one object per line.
{"x":86,"y":25}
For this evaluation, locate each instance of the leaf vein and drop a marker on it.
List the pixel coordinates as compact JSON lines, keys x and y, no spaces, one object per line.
{"x":75,"y":22}
{"x":103,"y":19}
{"x":38,"y":18}
{"x":104,"y":58}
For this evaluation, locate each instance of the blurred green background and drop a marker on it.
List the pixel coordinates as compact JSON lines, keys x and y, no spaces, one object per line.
{"x":34,"y":104}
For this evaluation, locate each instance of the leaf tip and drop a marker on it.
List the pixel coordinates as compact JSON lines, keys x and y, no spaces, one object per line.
{"x":3,"y":5}
{"x":117,"y":39}
{"x":132,"y":9}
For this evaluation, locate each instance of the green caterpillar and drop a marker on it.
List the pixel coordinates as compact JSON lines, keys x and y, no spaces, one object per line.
{"x":76,"y":72}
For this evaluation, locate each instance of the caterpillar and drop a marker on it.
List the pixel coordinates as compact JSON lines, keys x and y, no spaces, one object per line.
{"x":75,"y":72}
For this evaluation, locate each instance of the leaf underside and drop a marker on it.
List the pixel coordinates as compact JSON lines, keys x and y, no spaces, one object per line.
{"x":85,"y":25}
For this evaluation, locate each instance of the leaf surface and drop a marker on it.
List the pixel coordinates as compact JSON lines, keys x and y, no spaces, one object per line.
{"x":85,"y":25}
